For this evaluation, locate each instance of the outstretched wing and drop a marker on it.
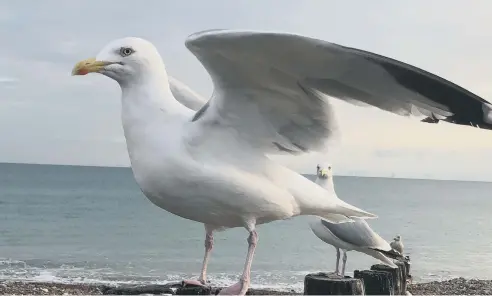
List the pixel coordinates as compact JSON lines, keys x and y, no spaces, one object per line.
{"x":272,"y":88}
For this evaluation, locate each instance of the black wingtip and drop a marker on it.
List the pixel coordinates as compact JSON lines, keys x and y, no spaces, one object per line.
{"x":476,"y":123}
{"x":430,"y":120}
{"x":466,"y":107}
{"x":392,"y":254}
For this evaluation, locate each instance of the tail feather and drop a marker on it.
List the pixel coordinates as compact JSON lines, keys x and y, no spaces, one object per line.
{"x":344,"y":212}
{"x":313,"y":199}
{"x":349,"y":210}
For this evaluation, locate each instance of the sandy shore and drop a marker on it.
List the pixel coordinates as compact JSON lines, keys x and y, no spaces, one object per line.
{"x":458,"y":286}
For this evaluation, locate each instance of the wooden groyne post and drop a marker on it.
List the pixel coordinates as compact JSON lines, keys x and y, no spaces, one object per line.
{"x":331,"y":284}
{"x":379,"y":280}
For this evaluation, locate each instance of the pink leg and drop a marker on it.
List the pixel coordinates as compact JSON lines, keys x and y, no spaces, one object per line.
{"x":241,"y":287}
{"x":209,"y":244}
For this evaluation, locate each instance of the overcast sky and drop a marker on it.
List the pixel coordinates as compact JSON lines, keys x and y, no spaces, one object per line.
{"x":48,"y":116}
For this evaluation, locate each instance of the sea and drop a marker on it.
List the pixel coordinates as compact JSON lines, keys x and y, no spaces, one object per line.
{"x":75,"y":224}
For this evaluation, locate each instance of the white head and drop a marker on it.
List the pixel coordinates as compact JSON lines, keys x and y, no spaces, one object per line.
{"x":127,"y":60}
{"x":397,"y":238}
{"x":324,"y":171}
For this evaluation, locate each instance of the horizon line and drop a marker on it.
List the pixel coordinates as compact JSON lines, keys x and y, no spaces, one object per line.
{"x":336,"y":175}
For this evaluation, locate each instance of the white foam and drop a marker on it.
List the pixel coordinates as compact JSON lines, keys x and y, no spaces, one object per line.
{"x":83,"y":276}
{"x":44,"y":276}
{"x":16,"y":270}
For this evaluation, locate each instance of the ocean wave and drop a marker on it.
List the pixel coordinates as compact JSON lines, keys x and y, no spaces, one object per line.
{"x":17,"y":270}
{"x":88,"y":273}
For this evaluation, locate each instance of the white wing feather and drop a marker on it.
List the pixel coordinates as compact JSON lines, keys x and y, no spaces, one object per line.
{"x":272,"y":88}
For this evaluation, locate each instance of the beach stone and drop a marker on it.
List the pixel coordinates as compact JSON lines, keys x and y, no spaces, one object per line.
{"x":455,"y":286}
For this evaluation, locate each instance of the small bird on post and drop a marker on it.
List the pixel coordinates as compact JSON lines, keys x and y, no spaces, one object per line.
{"x":397,"y":244}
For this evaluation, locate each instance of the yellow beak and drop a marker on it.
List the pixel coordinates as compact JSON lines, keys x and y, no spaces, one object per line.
{"x":89,"y":66}
{"x":324,"y":172}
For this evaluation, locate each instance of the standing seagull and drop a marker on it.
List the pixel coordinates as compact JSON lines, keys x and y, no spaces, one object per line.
{"x":349,"y":236}
{"x":270,"y":97}
{"x":397,"y":244}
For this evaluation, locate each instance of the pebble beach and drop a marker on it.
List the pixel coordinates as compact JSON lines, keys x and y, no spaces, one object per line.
{"x":457,"y":286}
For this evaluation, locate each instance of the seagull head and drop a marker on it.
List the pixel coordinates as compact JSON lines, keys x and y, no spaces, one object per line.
{"x":324,"y":172}
{"x":397,"y":238}
{"x":124,"y":60}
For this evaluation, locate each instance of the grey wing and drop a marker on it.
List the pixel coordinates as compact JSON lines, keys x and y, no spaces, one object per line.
{"x":357,"y":233}
{"x":185,"y":95}
{"x":271,"y":87}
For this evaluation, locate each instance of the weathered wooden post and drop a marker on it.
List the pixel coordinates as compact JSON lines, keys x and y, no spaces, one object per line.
{"x":330,"y":284}
{"x":138,"y":290}
{"x":194,"y":290}
{"x":404,"y":276}
{"x":376,"y":282}
{"x":395,"y":273}
{"x":407,"y":263}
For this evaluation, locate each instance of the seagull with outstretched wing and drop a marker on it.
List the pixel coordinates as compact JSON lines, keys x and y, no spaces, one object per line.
{"x":271,"y":96}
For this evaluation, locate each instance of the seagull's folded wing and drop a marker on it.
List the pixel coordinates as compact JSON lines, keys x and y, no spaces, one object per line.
{"x":185,"y":95}
{"x":357,"y":233}
{"x":272,"y":88}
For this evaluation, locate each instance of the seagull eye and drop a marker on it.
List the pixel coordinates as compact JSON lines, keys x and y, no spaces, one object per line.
{"x":126,"y":51}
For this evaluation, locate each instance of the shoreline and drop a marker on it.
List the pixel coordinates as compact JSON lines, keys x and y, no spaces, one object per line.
{"x":456,"y":286}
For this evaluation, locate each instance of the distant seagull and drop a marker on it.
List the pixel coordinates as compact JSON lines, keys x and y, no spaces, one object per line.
{"x":397,"y":244}
{"x":349,"y":236}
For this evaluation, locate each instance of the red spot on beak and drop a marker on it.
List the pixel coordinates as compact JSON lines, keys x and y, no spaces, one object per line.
{"x":83,"y":71}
